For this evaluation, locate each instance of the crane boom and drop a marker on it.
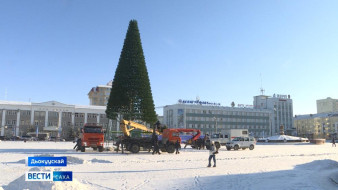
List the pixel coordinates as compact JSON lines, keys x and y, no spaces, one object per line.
{"x":127,"y":126}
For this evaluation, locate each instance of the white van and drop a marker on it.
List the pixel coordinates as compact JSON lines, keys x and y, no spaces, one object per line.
{"x":227,"y":135}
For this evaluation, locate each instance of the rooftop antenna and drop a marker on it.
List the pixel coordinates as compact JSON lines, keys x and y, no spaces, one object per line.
{"x":262,"y":90}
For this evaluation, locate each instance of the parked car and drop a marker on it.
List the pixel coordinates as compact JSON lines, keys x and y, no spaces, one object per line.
{"x":15,"y":138}
{"x":27,"y":138}
{"x":241,"y":142}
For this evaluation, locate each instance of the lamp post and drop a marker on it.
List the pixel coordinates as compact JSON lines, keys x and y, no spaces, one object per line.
{"x":3,"y":130}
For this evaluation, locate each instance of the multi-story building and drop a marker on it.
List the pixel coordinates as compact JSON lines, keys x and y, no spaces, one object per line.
{"x":212,"y":118}
{"x":321,"y":125}
{"x":99,"y":95}
{"x":281,"y":108}
{"x":58,"y":119}
{"x":327,"y":105}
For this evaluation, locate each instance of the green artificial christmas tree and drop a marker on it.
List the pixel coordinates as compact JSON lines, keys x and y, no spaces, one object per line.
{"x":131,"y":94}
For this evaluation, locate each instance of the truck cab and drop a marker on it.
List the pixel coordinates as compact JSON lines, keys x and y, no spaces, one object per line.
{"x":92,"y":136}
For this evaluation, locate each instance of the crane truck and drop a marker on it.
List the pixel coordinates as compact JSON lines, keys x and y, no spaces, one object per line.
{"x":166,"y":144}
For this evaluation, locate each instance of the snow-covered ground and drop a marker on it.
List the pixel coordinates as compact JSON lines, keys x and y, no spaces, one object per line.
{"x":268,"y":166}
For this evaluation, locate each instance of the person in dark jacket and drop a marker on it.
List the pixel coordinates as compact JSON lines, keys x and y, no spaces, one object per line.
{"x":177,"y":146}
{"x":156,"y":148}
{"x":78,"y":144}
{"x":205,"y":138}
{"x":333,"y":142}
{"x":212,"y":154}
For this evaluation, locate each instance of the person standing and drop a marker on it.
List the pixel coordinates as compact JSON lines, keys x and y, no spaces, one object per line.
{"x":177,"y":146}
{"x":118,"y":142}
{"x":212,"y":154}
{"x":205,"y":138}
{"x":333,"y":142}
{"x":156,"y":148}
{"x":78,"y":144}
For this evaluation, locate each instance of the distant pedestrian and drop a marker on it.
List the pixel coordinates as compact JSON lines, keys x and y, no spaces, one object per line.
{"x":78,"y":144}
{"x":333,"y":142}
{"x":118,"y":142}
{"x":212,"y":154}
{"x":177,"y":146}
{"x":156,"y":149}
{"x":204,"y":139}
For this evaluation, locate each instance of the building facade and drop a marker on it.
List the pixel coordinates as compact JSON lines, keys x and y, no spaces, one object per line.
{"x":281,"y":107}
{"x":212,"y":118}
{"x":327,"y":105}
{"x":99,"y":95}
{"x":58,"y":119}
{"x":321,"y":125}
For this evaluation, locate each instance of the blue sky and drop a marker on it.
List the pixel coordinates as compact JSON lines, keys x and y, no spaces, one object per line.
{"x":221,"y":51}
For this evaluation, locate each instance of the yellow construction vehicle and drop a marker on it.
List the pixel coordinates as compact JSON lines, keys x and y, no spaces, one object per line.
{"x":128,"y":126}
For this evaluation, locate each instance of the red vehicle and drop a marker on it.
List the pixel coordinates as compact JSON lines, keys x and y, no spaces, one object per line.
{"x":174,"y":134}
{"x":92,"y":136}
{"x":170,"y":136}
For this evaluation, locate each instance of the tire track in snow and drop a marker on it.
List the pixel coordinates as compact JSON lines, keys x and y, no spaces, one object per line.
{"x":96,"y":185}
{"x":197,"y":182}
{"x":139,"y":186}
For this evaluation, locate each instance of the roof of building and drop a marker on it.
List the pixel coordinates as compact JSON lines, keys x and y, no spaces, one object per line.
{"x":49,"y":103}
{"x":318,"y":115}
{"x":212,"y":107}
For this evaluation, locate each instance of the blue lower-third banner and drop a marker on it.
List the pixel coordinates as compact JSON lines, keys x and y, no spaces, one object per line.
{"x":49,"y":176}
{"x":46,"y":161}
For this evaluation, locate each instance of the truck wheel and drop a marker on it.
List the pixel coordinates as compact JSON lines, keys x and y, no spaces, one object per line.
{"x":228,"y":148}
{"x":100,"y":148}
{"x":83,"y":149}
{"x":171,"y":148}
{"x":135,"y":148}
{"x":236,"y":147}
{"x":251,"y":147}
{"x":94,"y":148}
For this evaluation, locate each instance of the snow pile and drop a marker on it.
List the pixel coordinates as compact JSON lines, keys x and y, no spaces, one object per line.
{"x":281,"y":138}
{"x":100,"y":161}
{"x":74,"y":160}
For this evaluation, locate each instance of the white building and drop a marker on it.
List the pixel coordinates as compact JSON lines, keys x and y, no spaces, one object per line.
{"x":320,"y":125}
{"x":99,"y":95}
{"x":19,"y":118}
{"x":211,"y":117}
{"x":327,"y":105}
{"x":281,"y":107}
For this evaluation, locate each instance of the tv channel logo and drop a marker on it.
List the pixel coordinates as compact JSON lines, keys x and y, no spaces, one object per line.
{"x":39,"y":176}
{"x":49,"y":176}
{"x":62,"y":176}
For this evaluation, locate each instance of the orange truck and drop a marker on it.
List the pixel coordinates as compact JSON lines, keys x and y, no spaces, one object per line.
{"x":170,"y":136}
{"x":92,"y":136}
